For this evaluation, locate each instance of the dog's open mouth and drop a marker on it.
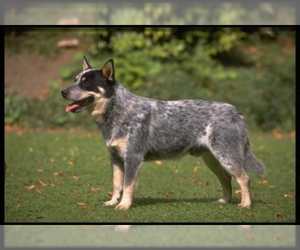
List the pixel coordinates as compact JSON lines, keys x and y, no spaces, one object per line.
{"x":80,"y":105}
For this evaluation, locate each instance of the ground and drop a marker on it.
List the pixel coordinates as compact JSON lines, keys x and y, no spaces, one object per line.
{"x":28,"y":73}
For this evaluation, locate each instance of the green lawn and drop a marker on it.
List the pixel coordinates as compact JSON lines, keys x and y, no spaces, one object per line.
{"x":66,"y":177}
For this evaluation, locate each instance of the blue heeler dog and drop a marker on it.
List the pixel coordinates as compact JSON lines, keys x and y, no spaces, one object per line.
{"x":138,"y":129}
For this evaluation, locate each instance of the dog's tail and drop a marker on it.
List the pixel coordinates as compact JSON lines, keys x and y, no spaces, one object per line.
{"x":252,"y":163}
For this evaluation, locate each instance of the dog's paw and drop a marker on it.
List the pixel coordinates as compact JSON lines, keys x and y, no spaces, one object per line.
{"x":110,"y":203}
{"x":244,"y":205}
{"x":123,"y":206}
{"x":223,"y":200}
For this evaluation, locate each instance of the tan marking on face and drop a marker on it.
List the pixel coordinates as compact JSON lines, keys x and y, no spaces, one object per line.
{"x":83,"y":78}
{"x":101,"y":90}
{"x":120,"y":144}
{"x":77,"y":77}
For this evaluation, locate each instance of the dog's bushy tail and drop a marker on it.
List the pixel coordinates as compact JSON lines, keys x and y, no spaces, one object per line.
{"x":252,"y":163}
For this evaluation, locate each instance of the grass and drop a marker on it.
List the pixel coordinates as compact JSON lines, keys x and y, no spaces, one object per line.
{"x":155,"y":236}
{"x":66,"y":177}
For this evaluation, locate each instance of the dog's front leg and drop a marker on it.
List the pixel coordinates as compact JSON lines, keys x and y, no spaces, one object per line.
{"x":132,"y":169}
{"x":118,"y":179}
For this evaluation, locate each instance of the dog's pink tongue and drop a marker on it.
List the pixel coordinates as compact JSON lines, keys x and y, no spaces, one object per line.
{"x":71,"y":106}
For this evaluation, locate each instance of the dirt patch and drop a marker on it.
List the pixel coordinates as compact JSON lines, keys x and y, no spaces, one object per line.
{"x":28,"y":73}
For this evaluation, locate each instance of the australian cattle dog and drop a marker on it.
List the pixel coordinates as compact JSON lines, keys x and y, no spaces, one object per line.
{"x":137,"y":129}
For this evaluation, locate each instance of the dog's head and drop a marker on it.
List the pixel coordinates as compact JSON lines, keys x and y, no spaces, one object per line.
{"x":90,"y":86}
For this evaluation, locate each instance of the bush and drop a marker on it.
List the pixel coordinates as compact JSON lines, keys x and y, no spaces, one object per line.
{"x":251,"y":70}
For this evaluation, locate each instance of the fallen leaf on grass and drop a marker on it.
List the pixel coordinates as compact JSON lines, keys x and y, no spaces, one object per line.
{"x":40,"y":170}
{"x":39,"y":191}
{"x":30,"y":187}
{"x":58,"y":173}
{"x":263,"y":182}
{"x":94,"y":189}
{"x":249,"y":215}
{"x":30,"y":150}
{"x":289,"y":196}
{"x":195,"y":169}
{"x":52,"y":159}
{"x":83,"y":206}
{"x":238,"y":191}
{"x":110,"y":193}
{"x":74,"y":176}
{"x":279,"y":215}
{"x":168,"y":194}
{"x":42,"y":183}
{"x":158,"y":162}
{"x":195,"y":181}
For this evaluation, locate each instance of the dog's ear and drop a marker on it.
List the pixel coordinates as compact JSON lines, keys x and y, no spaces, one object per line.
{"x":108,"y":70}
{"x":85,"y":64}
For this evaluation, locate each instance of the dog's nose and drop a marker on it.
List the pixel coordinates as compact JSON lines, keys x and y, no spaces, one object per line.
{"x":64,"y":93}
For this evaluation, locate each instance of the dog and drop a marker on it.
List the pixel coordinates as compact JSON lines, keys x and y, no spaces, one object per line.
{"x":137,"y":129}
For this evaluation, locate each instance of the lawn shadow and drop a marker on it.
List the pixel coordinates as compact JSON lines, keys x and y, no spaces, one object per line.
{"x":153,"y":201}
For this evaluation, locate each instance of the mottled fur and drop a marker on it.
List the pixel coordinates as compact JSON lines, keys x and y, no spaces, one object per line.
{"x":138,"y":129}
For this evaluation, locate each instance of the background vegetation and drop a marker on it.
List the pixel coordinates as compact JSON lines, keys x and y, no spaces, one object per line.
{"x":146,"y":12}
{"x":251,"y":68}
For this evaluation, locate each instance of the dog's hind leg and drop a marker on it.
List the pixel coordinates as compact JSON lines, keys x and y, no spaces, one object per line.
{"x":235,"y":169}
{"x":223,"y":176}
{"x":118,"y":178}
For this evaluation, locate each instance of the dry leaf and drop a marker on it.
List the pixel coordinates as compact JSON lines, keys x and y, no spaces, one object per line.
{"x":39,"y":191}
{"x":94,"y":189}
{"x":263,"y":182}
{"x":158,"y":162}
{"x":289,"y":196}
{"x":176,"y":171}
{"x":40,"y":170}
{"x":279,"y":215}
{"x":74,"y":176}
{"x":30,"y":150}
{"x":58,"y":173}
{"x":80,"y":203}
{"x":52,"y":159}
{"x":168,"y":194}
{"x":30,"y":187}
{"x":195,"y":169}
{"x":238,"y":191}
{"x":249,"y":215}
{"x":110,"y":193}
{"x":42,"y":183}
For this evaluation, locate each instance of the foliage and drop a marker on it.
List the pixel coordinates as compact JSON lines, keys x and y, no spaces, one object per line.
{"x":12,"y":108}
{"x":231,"y":65}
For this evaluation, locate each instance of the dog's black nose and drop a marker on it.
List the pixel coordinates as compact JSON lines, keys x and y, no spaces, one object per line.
{"x":64,"y":93}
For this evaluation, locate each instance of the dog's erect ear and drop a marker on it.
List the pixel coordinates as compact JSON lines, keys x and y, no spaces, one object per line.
{"x":108,"y":70}
{"x":85,"y":64}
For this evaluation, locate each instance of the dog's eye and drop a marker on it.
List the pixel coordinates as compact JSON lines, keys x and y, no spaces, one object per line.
{"x":86,"y":83}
